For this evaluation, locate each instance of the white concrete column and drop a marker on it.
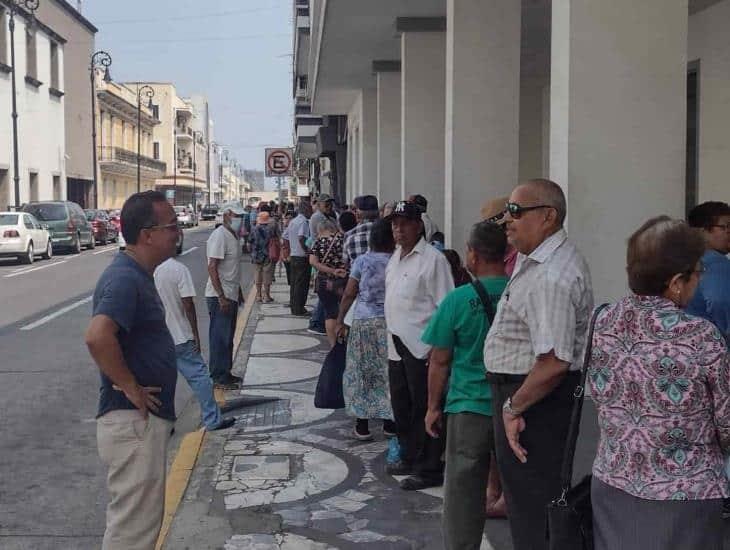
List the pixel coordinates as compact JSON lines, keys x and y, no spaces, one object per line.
{"x":368,"y":142}
{"x":389,"y":118}
{"x":423,"y":102}
{"x":617,"y":123}
{"x":482,"y":109}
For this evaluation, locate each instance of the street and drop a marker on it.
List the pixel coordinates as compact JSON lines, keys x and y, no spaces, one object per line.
{"x":52,"y":482}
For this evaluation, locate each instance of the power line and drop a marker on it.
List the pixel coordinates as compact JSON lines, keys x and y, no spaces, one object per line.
{"x":187,"y":17}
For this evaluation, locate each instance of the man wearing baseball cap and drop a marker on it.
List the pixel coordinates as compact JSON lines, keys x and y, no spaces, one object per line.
{"x":223,"y":293}
{"x":417,"y":278}
{"x":357,"y":239}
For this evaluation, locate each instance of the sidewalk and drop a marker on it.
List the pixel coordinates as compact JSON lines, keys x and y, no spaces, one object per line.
{"x":289,"y":476}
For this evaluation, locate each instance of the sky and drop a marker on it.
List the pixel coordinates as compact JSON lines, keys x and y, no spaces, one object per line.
{"x":236,"y":52}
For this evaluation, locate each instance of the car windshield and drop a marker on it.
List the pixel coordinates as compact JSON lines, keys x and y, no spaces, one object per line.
{"x":47,"y":212}
{"x":8,"y":219}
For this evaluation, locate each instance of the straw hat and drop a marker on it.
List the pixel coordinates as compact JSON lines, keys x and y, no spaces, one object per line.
{"x":493,"y":210}
{"x":263,"y":218}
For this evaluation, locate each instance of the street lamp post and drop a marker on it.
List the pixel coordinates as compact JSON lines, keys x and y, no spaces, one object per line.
{"x":98,"y":60}
{"x":195,"y":168}
{"x":30,"y":6}
{"x":148,"y":92}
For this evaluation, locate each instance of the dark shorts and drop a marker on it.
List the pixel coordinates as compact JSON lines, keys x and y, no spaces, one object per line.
{"x":330,"y":302}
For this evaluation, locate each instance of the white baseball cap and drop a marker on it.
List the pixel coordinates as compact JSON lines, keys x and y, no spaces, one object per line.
{"x":234,"y":207}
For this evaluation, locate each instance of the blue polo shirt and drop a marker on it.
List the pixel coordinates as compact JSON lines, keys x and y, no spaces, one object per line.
{"x":126,"y":293}
{"x":712,"y":297}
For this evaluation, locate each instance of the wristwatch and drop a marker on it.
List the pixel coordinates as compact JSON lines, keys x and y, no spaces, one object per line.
{"x":507,"y":407}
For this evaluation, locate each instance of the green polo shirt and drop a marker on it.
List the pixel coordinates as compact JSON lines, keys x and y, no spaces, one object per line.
{"x":461,"y":325}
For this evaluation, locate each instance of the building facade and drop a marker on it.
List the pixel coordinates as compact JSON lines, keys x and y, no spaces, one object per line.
{"x":117,"y":138}
{"x":40,"y":78}
{"x":79,"y":34}
{"x":459,"y":100}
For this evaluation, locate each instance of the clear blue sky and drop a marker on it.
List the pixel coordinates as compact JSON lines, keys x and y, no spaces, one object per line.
{"x":237,"y":52}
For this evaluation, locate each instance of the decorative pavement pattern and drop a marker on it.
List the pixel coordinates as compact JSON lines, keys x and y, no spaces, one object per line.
{"x":290,"y":476}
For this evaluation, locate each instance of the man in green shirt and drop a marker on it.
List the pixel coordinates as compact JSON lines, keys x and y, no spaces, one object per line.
{"x":457,"y":331}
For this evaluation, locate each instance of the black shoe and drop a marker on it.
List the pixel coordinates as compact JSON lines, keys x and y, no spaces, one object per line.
{"x":389,"y":428}
{"x":416,"y":483}
{"x":222,"y":425}
{"x":229,"y":383}
{"x":361,"y":430}
{"x":399,"y":468}
{"x":303,"y":314}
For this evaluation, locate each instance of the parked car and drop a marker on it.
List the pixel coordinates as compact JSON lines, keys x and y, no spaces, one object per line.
{"x":122,"y":243}
{"x":104,"y":230}
{"x":23,"y":236}
{"x":115,"y":217}
{"x":185,"y":216}
{"x":209,"y":212}
{"x":66,"y":222}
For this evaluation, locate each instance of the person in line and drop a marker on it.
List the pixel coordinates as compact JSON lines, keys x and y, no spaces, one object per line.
{"x":457,"y":331}
{"x":264,"y":233}
{"x":175,"y":286}
{"x":323,"y":208}
{"x":357,"y":239}
{"x":326,"y":258}
{"x":347,"y":221}
{"x":494,"y":211}
{"x":285,"y":246}
{"x":712,"y":298}
{"x":223,"y":294}
{"x":297,"y":235}
{"x":365,"y":380}
{"x":429,"y":226}
{"x":417,"y":279}
{"x":659,"y":379}
{"x":387,"y":209}
{"x":135,"y":353}
{"x":533,"y":354}
{"x":461,"y":276}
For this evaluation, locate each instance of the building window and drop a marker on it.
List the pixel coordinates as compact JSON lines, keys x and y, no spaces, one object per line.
{"x":3,"y":36}
{"x":156,"y":111}
{"x":156,"y":150}
{"x":33,"y":181}
{"x":55,"y":81}
{"x":30,"y":54}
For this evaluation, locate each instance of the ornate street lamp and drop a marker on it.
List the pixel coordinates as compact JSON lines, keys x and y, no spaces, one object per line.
{"x":149,"y":93}
{"x":29,"y":6}
{"x":98,"y":60}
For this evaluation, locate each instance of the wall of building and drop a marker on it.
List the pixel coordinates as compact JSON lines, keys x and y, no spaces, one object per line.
{"x":79,"y":33}
{"x":709,"y":42}
{"x":40,"y":152}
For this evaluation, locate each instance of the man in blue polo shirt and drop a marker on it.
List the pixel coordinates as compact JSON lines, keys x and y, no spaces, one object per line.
{"x":130,"y":343}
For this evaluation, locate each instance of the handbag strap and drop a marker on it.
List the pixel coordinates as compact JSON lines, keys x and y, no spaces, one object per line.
{"x":326,"y":254}
{"x":566,"y":474}
{"x":484,"y":297}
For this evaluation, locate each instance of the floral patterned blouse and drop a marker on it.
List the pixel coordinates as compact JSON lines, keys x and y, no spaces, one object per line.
{"x":333,"y":259}
{"x":660,"y":379}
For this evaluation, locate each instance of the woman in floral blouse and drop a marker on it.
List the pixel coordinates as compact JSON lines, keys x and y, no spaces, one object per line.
{"x":661,"y":383}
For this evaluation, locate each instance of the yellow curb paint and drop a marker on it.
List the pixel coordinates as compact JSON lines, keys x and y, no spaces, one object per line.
{"x":178,"y":478}
{"x":220,"y":396}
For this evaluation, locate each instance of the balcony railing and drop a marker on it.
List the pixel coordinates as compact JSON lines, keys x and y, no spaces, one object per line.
{"x":117,"y":154}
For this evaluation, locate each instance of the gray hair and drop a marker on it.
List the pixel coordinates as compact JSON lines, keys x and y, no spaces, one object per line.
{"x":328,"y":225}
{"x":550,"y":194}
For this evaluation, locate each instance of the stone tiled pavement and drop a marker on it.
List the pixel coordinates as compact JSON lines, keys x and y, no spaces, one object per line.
{"x":289,"y":476}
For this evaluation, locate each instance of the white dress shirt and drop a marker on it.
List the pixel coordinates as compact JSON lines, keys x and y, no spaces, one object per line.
{"x":414,"y":287}
{"x":546,"y":306}
{"x":298,"y":227}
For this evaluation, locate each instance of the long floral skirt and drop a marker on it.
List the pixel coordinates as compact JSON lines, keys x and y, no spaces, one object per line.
{"x":365,"y":381}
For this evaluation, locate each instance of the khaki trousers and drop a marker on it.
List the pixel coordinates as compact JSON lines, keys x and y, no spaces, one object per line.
{"x":134,"y":450}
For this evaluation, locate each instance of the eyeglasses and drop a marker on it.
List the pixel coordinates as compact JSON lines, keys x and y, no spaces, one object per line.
{"x":726,"y":226}
{"x":170,"y":226}
{"x":515,"y":210}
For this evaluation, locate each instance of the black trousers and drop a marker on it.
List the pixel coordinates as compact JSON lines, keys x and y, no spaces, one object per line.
{"x":529,"y":487}
{"x":299,"y":285}
{"x":409,"y":398}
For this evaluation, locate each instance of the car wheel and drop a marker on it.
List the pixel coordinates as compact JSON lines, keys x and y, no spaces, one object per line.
{"x":76,"y":247}
{"x":29,"y":254}
{"x":49,"y":251}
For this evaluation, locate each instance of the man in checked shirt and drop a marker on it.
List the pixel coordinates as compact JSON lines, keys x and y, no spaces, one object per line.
{"x":533,"y":354}
{"x":356,"y":240}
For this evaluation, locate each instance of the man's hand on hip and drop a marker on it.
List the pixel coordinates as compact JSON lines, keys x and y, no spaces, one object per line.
{"x":143,"y":398}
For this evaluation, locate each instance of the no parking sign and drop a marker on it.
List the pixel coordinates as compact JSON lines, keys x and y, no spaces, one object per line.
{"x":279,"y":162}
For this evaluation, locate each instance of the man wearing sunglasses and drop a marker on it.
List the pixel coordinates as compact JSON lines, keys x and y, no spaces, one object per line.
{"x":130,"y":343}
{"x":533,"y":354}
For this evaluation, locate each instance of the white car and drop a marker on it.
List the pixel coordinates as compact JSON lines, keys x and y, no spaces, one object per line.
{"x":22,"y":236}
{"x":185,"y":216}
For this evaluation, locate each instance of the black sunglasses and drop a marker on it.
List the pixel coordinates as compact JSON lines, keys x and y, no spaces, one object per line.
{"x":516,"y":211}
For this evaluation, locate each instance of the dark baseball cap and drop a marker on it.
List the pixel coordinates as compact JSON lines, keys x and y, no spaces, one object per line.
{"x":324,"y":197}
{"x":405,"y":209}
{"x":366,"y":202}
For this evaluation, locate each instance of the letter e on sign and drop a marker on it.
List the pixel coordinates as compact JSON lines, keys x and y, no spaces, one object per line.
{"x":279,"y":162}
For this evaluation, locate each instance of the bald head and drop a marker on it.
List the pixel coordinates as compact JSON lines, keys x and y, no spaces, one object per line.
{"x":549,"y":193}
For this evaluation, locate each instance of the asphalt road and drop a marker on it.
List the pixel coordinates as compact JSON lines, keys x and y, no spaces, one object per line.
{"x":52,"y":484}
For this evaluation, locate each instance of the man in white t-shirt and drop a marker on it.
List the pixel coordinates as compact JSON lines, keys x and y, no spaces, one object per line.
{"x":175,"y":286}
{"x":223,"y":293}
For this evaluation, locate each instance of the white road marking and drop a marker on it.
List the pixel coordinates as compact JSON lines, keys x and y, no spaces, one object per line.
{"x":189,"y":250}
{"x":17,"y":273}
{"x":107,"y":249}
{"x":52,"y":316}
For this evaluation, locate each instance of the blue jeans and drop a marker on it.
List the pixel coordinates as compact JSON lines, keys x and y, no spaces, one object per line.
{"x":316,"y":321}
{"x":220,"y":339}
{"x":191,"y":365}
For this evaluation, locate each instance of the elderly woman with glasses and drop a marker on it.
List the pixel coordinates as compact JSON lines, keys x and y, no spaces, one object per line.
{"x":660,"y":379}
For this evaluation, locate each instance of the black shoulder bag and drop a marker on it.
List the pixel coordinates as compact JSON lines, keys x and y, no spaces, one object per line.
{"x":484,"y":297}
{"x":570,"y":516}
